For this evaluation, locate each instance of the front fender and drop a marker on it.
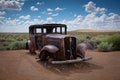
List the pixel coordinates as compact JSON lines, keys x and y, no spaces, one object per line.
{"x":50,"y":48}
{"x":81,"y":48}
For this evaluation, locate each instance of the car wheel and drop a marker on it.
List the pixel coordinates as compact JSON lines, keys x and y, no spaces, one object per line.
{"x":43,"y":56}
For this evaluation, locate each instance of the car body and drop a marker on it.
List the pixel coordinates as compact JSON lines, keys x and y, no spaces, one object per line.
{"x":53,"y":43}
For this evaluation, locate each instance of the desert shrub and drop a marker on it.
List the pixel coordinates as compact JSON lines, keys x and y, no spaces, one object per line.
{"x":8,"y":45}
{"x":94,"y":43}
{"x":10,"y":41}
{"x":115,"y":40}
{"x":2,"y":47}
{"x":17,"y":45}
{"x":105,"y":47}
{"x":110,"y":43}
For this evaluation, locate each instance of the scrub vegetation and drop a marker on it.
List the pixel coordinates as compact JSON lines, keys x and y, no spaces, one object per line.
{"x":13,"y":41}
{"x":101,"y":40}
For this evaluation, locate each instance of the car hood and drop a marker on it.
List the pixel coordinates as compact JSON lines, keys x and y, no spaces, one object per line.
{"x":57,"y":36}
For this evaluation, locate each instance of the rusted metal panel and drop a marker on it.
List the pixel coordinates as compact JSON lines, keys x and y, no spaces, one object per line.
{"x":70,"y":47}
{"x":50,"y":48}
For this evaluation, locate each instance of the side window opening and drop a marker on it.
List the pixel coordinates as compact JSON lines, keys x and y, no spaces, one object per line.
{"x":60,"y":30}
{"x":38,"y":30}
{"x":63,"y":30}
{"x":55,"y":30}
{"x":44,"y":31}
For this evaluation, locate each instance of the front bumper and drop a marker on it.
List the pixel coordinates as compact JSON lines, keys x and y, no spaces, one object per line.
{"x":71,"y":61}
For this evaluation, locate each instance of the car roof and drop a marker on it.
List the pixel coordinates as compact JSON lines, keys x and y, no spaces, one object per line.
{"x":47,"y":26}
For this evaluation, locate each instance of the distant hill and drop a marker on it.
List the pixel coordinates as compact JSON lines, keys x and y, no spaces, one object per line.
{"x":88,"y":30}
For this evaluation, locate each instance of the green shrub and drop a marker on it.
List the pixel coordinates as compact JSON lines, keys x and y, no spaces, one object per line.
{"x":115,"y":40}
{"x":94,"y":42}
{"x":105,"y":47}
{"x":17,"y":45}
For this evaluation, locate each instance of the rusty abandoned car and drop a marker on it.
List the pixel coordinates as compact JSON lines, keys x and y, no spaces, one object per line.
{"x":54,"y":45}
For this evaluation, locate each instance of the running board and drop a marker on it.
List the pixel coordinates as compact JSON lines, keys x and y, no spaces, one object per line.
{"x":71,"y":61}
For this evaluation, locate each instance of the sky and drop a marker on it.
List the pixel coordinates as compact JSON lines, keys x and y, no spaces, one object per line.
{"x":18,"y":15}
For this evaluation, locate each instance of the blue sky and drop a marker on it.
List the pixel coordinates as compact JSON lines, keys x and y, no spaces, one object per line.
{"x":18,"y":15}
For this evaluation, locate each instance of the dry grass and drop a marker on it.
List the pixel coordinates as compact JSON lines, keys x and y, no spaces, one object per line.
{"x":92,"y":36}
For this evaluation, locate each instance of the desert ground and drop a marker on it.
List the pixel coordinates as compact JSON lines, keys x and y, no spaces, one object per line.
{"x":20,"y":65}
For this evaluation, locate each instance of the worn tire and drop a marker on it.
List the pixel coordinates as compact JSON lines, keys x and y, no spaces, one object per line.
{"x":26,"y":45}
{"x":43,"y":56}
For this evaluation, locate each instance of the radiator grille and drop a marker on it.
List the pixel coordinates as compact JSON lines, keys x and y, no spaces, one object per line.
{"x":70,"y":47}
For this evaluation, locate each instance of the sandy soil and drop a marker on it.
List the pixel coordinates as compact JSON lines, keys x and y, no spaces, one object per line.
{"x":20,"y":65}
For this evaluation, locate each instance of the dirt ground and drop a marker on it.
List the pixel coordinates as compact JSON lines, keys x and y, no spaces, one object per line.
{"x":20,"y":65}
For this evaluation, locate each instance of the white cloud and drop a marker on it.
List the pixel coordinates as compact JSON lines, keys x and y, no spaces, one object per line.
{"x":1,"y":23}
{"x":38,"y":21}
{"x":91,"y":7}
{"x":25,"y":17}
{"x":79,"y":18}
{"x":10,"y":5}
{"x":49,"y":19}
{"x":55,"y":14}
{"x":14,"y":29}
{"x":56,"y":9}
{"x":11,"y":22}
{"x":17,"y":25}
{"x":1,"y":17}
{"x":40,"y":3}
{"x":33,"y":8}
{"x":50,"y":13}
{"x":59,"y":9}
{"x":49,"y":9}
{"x":21,"y":0}
{"x":2,"y":12}
{"x":114,"y":17}
{"x":101,"y":10}
{"x":92,"y":21}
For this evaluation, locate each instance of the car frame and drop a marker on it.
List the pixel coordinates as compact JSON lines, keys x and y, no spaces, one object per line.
{"x":54,"y":44}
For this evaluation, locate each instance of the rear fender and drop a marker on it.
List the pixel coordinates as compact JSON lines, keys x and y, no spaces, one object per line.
{"x":30,"y":46}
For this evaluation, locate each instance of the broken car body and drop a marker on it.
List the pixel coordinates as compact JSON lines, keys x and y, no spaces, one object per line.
{"x":54,"y":45}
